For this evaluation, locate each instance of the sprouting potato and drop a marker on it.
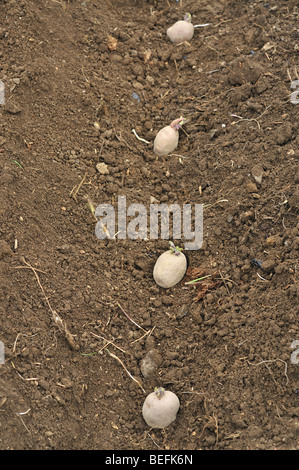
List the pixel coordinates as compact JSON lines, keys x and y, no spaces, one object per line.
{"x":182,"y":30}
{"x":160,"y":408}
{"x":170,"y":267}
{"x":167,"y":139}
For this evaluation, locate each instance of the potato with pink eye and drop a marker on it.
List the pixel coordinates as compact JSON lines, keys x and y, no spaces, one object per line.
{"x":181,"y":31}
{"x":160,"y":408}
{"x":167,"y":139}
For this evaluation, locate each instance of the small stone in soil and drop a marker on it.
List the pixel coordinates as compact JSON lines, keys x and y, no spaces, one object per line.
{"x":102,"y":168}
{"x":257,"y":173}
{"x":150,"y":363}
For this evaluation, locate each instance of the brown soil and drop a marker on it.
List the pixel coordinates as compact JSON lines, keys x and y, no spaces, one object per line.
{"x":225,"y":348}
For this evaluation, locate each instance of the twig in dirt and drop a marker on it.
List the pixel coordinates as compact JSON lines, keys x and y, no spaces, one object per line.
{"x":223,"y":280}
{"x":136,"y":324}
{"x":57,"y":320}
{"x":107,"y":343}
{"x":92,"y":210}
{"x":252,"y":119}
{"x":19,"y":415}
{"x":289,"y":75}
{"x":29,"y":379}
{"x":272,"y":360}
{"x":121,"y":139}
{"x":24,"y":412}
{"x":179,"y":157}
{"x":206,"y":206}
{"x":129,"y":374}
{"x":201,"y":25}
{"x":149,"y":332}
{"x":210,"y":420}
{"x":139,"y":138}
{"x":148,"y":434}
{"x":165,"y":94}
{"x":15,"y":343}
{"x":101,"y":149}
{"x":62,"y":327}
{"x":262,"y":278}
{"x":29,"y":267}
{"x":182,"y":129}
{"x":72,"y":193}
{"x":86,"y":79}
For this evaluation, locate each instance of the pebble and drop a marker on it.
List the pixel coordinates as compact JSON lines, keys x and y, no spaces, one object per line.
{"x":102,"y":168}
{"x":258,"y":173}
{"x":150,"y":80}
{"x":150,"y":363}
{"x":106,"y":134}
{"x":166,"y":187}
{"x":182,"y":312}
{"x":251,"y":187}
{"x":248,"y":215}
{"x":138,"y":85}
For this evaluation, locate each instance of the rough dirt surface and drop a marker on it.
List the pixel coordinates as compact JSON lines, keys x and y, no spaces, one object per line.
{"x":70,"y":69}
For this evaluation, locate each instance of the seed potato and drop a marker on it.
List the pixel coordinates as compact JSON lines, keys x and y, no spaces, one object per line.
{"x":181,"y":31}
{"x":170,"y":268}
{"x":167,"y":139}
{"x":160,"y":408}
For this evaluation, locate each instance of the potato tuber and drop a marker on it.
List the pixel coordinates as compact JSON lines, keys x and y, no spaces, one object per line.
{"x":170,"y":267}
{"x":182,"y":30}
{"x":167,"y":139}
{"x":160,"y":408}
